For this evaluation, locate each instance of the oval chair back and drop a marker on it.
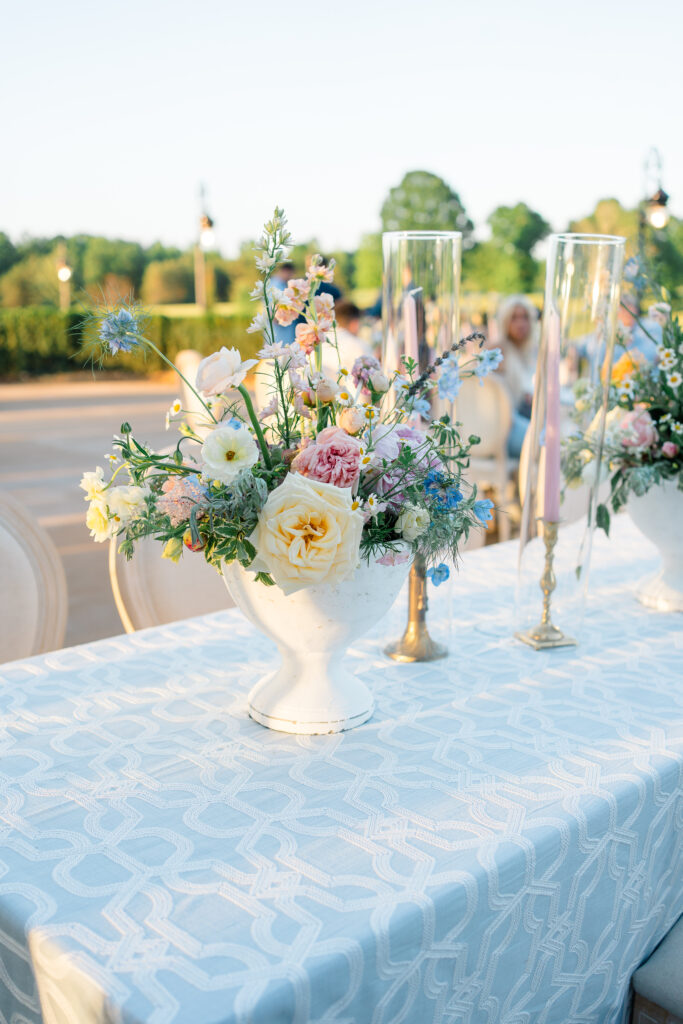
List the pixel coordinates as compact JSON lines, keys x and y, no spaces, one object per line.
{"x":33,"y":597}
{"x":150,"y":590}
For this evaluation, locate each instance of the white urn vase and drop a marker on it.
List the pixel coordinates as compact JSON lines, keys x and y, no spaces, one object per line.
{"x":311,"y":691}
{"x":658,"y":514}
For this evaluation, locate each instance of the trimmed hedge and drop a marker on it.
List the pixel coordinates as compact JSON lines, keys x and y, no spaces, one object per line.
{"x":36,"y":340}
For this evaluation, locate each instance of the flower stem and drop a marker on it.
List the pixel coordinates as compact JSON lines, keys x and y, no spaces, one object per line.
{"x":256,"y":425}
{"x":182,"y":376}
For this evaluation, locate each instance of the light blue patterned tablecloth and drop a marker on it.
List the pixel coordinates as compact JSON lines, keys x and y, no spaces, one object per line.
{"x":503,"y":841}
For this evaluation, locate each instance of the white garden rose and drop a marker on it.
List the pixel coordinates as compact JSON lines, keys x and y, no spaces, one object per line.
{"x":412,"y":522}
{"x":227,"y":451}
{"x":98,"y":522}
{"x":222,"y":370}
{"x":307,"y":534}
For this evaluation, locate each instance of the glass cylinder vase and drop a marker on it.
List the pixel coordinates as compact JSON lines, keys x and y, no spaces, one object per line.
{"x":420,"y":322}
{"x":570,"y":394}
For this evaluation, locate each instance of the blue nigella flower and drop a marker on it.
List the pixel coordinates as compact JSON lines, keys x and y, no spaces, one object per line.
{"x":422,"y":407}
{"x":235,"y":423}
{"x":483,"y":510}
{"x":437,"y":486}
{"x":449,"y":381}
{"x":631,"y":269}
{"x":121,"y":329}
{"x":488,"y":362}
{"x":439,"y":574}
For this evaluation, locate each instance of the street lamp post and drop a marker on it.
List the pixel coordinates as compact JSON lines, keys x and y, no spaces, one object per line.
{"x":653,"y":212}
{"x":205,"y":243}
{"x":64,"y":278}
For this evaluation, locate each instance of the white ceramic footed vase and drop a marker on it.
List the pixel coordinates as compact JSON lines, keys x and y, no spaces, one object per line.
{"x":659,"y":515}
{"x":311,"y":691}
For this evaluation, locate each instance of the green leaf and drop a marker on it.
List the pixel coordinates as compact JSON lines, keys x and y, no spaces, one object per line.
{"x":263,"y":577}
{"x":602,"y":518}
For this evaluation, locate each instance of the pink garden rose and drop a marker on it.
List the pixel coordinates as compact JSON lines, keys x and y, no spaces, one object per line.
{"x":669,"y":450}
{"x":333,"y":458}
{"x":637,"y":430}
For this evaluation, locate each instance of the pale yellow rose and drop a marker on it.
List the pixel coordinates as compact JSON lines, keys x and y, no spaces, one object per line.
{"x":97,"y":521}
{"x":307,"y":534}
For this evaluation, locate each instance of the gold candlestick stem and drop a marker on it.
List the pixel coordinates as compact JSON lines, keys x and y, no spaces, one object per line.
{"x":416,"y":644}
{"x":545,"y":634}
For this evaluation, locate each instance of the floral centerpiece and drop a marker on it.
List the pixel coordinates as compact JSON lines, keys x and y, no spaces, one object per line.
{"x":644,"y":423}
{"x":341,"y":468}
{"x":643,"y":442}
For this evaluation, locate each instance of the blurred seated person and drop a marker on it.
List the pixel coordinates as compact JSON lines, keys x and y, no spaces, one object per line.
{"x":279,"y":280}
{"x":641,"y":333}
{"x":517,"y":338}
{"x":351,"y":346}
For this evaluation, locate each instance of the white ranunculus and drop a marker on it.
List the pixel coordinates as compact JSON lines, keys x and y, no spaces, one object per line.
{"x":307,"y":534}
{"x":379,"y":381}
{"x":97,"y":520}
{"x":125,"y":503}
{"x":221,"y":371}
{"x":412,"y":522}
{"x":227,"y":451}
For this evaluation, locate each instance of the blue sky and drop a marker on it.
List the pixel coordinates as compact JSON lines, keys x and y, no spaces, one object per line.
{"x":111,"y":114}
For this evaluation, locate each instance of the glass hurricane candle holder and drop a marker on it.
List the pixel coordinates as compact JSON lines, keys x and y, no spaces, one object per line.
{"x":574,"y":361}
{"x":420,"y":321}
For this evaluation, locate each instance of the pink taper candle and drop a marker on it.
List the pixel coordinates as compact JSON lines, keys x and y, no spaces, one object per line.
{"x":551,"y":497}
{"x":410,"y":350}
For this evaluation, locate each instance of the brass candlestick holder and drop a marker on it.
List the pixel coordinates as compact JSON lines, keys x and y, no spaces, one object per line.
{"x":545,"y":634}
{"x":416,"y":644}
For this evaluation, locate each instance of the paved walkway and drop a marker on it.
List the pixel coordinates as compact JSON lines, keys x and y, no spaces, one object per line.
{"x":50,"y":432}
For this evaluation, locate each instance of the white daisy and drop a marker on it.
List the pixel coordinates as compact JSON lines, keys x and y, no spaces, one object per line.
{"x":374,"y":506}
{"x":674,"y":379}
{"x":345,"y":397}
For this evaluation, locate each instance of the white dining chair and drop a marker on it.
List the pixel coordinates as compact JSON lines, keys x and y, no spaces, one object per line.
{"x":484,"y":408}
{"x":33,"y":596}
{"x":150,"y":590}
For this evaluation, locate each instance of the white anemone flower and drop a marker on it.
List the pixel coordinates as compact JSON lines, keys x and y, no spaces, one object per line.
{"x":227,"y":451}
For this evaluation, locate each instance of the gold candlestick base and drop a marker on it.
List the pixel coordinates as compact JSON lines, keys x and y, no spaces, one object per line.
{"x":416,"y":644}
{"x":546,"y":635}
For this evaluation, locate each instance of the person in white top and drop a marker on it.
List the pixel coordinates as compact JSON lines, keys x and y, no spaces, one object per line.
{"x":518,"y":340}
{"x":351,"y":346}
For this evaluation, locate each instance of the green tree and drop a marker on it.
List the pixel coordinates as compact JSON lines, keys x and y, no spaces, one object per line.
{"x":610,"y":218}
{"x":488,"y":267}
{"x":425,"y":201}
{"x":8,"y":254}
{"x":517,"y":228}
{"x":168,"y":281}
{"x":30,"y":282}
{"x":369,"y":262}
{"x":663,"y":248}
{"x":109,"y":258}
